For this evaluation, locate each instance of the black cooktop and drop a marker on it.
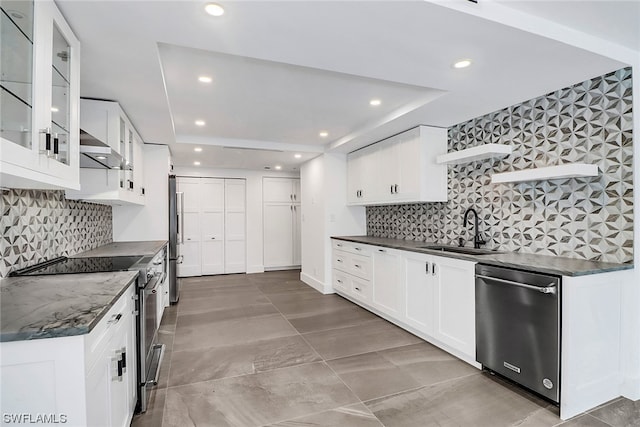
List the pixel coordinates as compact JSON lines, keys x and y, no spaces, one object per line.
{"x":64,"y":265}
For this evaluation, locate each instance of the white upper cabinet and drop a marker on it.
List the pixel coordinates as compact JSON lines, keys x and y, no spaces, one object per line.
{"x":39,"y":94}
{"x":122,"y":184}
{"x":399,"y":169}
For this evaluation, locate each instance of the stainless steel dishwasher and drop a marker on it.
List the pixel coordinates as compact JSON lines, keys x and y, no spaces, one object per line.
{"x":518,"y":327}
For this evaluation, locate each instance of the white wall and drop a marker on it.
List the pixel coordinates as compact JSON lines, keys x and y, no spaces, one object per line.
{"x":151,"y":221}
{"x":324,"y":214}
{"x":254,"y":244}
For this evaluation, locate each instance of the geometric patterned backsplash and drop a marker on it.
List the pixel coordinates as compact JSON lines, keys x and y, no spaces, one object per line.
{"x":587,"y":218}
{"x":40,"y":225}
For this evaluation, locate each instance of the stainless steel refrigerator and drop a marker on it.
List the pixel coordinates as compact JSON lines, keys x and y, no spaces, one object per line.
{"x":176,"y":225}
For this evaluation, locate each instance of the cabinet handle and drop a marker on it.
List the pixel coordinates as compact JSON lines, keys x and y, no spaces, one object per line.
{"x":339,"y":281}
{"x":115,"y":319}
{"x":357,"y":266}
{"x":47,"y":141}
{"x":124,"y":359}
{"x":56,"y":145}
{"x":339,"y":245}
{"x":120,"y":369}
{"x":188,"y":238}
{"x":295,"y":197}
{"x":426,"y":267}
{"x":433,"y":269}
{"x":290,"y":196}
{"x":381,"y":250}
{"x":213,"y":238}
{"x":357,"y":288}
{"x":339,"y":260}
{"x":357,"y":248}
{"x":395,"y":189}
{"x":391,"y":189}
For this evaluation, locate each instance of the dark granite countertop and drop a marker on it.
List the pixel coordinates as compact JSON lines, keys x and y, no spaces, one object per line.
{"x":146,"y":248}
{"x":35,"y":307}
{"x":532,"y":262}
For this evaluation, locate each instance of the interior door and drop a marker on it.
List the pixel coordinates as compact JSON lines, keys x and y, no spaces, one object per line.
{"x":297,"y":235}
{"x":190,"y":250}
{"x":235,"y":226}
{"x":278,"y":235}
{"x":212,"y":225}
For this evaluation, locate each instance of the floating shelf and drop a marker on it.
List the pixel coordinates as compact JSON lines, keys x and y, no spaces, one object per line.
{"x":571,"y":170}
{"x":481,"y":152}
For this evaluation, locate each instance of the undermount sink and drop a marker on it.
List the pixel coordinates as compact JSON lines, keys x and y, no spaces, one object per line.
{"x":457,"y":249}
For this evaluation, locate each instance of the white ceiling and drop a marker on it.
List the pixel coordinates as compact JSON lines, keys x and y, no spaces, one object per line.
{"x":283,"y":71}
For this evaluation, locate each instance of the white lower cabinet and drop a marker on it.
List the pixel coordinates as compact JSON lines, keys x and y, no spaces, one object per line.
{"x":111,"y":366}
{"x":431,"y":296}
{"x":419,"y":295}
{"x":387,"y":286}
{"x":81,"y":380}
{"x":455,"y":304}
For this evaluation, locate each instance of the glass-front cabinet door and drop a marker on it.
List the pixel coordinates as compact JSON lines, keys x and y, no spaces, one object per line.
{"x":16,"y":72}
{"x":39,"y":89}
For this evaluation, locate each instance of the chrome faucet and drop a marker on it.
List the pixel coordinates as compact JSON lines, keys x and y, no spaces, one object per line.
{"x":477,"y":239}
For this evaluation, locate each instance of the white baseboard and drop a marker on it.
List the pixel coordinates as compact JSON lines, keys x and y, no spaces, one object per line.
{"x":316,"y":284}
{"x":255,"y":269}
{"x":631,"y":388}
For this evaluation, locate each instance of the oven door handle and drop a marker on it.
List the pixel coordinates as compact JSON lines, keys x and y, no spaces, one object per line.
{"x":549,"y":289}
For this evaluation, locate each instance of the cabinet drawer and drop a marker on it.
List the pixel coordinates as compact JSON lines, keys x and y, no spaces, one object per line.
{"x":361,"y":290}
{"x":102,"y":333}
{"x":340,"y":260}
{"x":360,"y":266}
{"x":341,"y":281}
{"x":351,"y":247}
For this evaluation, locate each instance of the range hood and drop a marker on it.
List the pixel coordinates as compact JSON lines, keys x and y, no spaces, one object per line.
{"x":95,"y":154}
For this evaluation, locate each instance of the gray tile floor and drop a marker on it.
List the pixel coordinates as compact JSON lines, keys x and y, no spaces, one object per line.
{"x":267,"y":350}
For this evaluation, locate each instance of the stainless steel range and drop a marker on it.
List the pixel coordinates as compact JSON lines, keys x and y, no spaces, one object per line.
{"x":152,"y":273}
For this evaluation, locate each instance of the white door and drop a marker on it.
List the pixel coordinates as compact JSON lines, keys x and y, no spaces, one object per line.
{"x":387,"y":288}
{"x":235,"y":226}
{"x":295,"y":183}
{"x":416,"y":274}
{"x":278,"y":235}
{"x":212,"y":225}
{"x":297,"y":235}
{"x":277,"y":190}
{"x":190,"y":250}
{"x":454,"y":292}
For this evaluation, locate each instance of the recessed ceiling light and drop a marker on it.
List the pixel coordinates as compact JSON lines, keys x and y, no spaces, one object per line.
{"x":214,"y":9}
{"x":278,"y":167}
{"x":463,"y":63}
{"x":199,"y":122}
{"x":205,"y":79}
{"x":54,"y":109}
{"x":101,"y":157}
{"x":197,"y":149}
{"x":375,"y":102}
{"x":196,"y":163}
{"x":297,"y":156}
{"x":324,"y":134}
